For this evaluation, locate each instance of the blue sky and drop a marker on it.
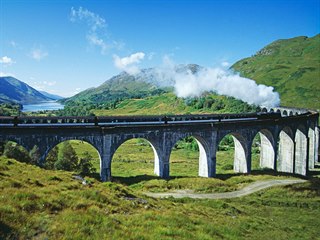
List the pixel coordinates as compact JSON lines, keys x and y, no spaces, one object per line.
{"x":66,"y":46}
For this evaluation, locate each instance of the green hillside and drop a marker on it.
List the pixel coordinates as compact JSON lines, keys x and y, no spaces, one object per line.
{"x":159,"y":104}
{"x":122,"y":86}
{"x":169,"y":103}
{"x":43,"y":204}
{"x":13,"y":90}
{"x":292,"y":66}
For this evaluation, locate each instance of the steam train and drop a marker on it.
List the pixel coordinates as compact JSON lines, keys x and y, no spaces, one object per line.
{"x":137,"y":120}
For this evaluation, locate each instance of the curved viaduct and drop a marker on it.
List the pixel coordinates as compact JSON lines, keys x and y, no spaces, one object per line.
{"x":289,"y":139}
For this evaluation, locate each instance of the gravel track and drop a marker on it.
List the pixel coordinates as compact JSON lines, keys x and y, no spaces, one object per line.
{"x":252,"y":188}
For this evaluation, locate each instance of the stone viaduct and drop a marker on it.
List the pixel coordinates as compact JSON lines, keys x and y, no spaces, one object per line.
{"x":289,"y":138}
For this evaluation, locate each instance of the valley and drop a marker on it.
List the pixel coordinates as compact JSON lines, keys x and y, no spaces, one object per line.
{"x":52,"y":201}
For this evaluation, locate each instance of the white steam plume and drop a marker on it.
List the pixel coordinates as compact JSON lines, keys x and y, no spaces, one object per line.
{"x":221,"y":81}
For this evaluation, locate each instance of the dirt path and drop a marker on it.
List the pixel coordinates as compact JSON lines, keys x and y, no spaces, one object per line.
{"x":254,"y":187}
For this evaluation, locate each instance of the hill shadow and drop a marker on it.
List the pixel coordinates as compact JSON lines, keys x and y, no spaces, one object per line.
{"x":6,"y":232}
{"x":131,"y":180}
{"x":134,"y":179}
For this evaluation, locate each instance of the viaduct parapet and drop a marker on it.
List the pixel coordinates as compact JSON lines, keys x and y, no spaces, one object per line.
{"x":289,"y":137}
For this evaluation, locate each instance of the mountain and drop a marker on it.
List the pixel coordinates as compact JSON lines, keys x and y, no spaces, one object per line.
{"x":291,"y":66}
{"x":52,"y":96}
{"x":122,"y":86}
{"x":13,"y":90}
{"x":148,"y":93}
{"x":126,"y":86}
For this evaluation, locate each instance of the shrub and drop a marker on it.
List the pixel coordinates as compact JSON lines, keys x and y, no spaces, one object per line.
{"x":85,"y":166}
{"x":12,"y":150}
{"x":68,"y":159}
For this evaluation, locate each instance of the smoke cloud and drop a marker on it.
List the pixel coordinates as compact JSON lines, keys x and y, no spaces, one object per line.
{"x":192,"y":82}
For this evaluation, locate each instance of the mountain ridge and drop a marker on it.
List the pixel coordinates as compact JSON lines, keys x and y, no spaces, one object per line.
{"x":291,"y":66}
{"x":13,"y":90}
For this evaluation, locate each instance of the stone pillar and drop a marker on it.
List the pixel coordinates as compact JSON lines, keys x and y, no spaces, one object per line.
{"x":156,"y":161}
{"x":286,"y":153}
{"x":242,"y":159}
{"x":207,"y":160}
{"x":164,"y":164}
{"x":105,"y":154}
{"x":312,"y":143}
{"x":307,"y":156}
{"x":301,"y":149}
{"x":267,"y":152}
{"x":162,"y":148}
{"x":316,"y":152}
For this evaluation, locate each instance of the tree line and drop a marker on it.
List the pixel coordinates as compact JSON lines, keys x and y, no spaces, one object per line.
{"x":62,"y":157}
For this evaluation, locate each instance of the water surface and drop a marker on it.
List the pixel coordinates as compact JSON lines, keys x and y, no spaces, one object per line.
{"x":52,"y":105}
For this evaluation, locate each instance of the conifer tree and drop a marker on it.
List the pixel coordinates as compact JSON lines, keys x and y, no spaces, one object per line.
{"x":68,"y":159}
{"x":51,"y":158}
{"x":35,"y":155}
{"x":85,"y":166}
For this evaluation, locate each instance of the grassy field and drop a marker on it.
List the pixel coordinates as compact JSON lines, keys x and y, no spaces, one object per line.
{"x":133,"y":166}
{"x":44,"y":204}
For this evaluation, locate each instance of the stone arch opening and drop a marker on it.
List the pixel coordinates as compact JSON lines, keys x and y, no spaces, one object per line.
{"x":135,"y":157}
{"x":74,"y":155}
{"x":301,"y":145}
{"x":12,"y":149}
{"x":290,"y":113}
{"x":264,"y":110}
{"x":232,"y":144}
{"x":285,"y":151}
{"x":189,"y":157}
{"x":262,"y":149}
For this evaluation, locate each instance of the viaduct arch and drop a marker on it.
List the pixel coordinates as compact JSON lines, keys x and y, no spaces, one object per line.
{"x":289,"y":138}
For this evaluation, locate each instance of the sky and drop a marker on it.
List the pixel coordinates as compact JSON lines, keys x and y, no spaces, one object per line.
{"x":66,"y":46}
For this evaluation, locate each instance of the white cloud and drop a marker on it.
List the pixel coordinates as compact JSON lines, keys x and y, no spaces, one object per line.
{"x":6,"y":60}
{"x":38,"y":54}
{"x":43,"y":85}
{"x":225,"y":64}
{"x":97,"y":32}
{"x":96,"y":41}
{"x":129,"y":64}
{"x":93,"y":20}
{"x":6,"y":74}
